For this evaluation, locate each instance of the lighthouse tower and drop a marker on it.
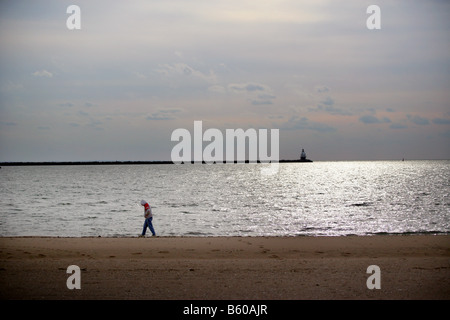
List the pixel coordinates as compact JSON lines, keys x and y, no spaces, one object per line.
{"x":303,"y":155}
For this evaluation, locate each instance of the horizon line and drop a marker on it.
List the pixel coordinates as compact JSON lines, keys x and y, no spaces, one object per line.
{"x":130,"y":162}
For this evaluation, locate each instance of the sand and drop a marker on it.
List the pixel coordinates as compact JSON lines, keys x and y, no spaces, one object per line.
{"x":226,"y":268}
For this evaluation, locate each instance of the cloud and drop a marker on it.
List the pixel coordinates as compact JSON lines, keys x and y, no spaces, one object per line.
{"x":262,"y":99}
{"x":66,"y":104}
{"x":247,"y":87}
{"x":325,"y":102}
{"x":328,"y":101}
{"x":398,"y":126}
{"x":140,"y":75}
{"x":369,"y":119}
{"x":322,"y":89}
{"x":182,"y":69}
{"x":163,"y":114}
{"x":259,"y":94}
{"x":159,"y":116}
{"x":43,"y":74}
{"x":327,"y":106}
{"x":94,"y":124}
{"x":297,"y":123}
{"x":9,"y":123}
{"x":254,"y":87}
{"x":441,"y":121}
{"x":217,"y":89}
{"x":418,"y":120}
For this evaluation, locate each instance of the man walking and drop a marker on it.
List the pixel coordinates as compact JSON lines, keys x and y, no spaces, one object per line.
{"x":148,"y":218}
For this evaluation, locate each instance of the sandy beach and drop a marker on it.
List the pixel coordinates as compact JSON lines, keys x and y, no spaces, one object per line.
{"x":229,"y":268}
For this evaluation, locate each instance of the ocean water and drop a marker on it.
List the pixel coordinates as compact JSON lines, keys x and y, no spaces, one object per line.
{"x":302,"y":199}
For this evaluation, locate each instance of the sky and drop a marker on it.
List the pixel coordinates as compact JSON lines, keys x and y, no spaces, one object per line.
{"x":117,"y":88}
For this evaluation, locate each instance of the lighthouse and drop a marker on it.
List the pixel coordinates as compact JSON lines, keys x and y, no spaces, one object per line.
{"x":303,"y":155}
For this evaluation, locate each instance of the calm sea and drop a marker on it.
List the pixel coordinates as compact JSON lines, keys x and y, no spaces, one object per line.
{"x":320,"y":198}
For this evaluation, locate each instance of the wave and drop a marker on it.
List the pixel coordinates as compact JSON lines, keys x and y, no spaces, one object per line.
{"x":187,"y":212}
{"x":198,"y":234}
{"x":361,"y":204}
{"x":180,"y":205}
{"x":408,"y":233}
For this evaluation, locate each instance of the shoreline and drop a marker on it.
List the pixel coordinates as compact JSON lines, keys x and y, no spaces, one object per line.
{"x":383,"y":234}
{"x":226,"y":268}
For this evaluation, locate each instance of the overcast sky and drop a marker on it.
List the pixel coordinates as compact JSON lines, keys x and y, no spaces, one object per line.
{"x":137,"y":70}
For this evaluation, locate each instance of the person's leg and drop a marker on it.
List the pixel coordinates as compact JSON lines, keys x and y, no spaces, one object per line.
{"x":150,"y":225}
{"x":145,"y":228}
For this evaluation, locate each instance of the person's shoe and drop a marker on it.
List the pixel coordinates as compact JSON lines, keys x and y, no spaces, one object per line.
{"x":141,"y":236}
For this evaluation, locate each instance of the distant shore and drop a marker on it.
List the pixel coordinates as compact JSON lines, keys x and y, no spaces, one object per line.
{"x":226,"y":268}
{"x":74,"y":163}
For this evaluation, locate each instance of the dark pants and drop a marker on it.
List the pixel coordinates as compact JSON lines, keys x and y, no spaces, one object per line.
{"x":148,"y":223}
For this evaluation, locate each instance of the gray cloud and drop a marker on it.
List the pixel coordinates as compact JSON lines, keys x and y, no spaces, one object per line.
{"x":327,"y":106}
{"x":66,"y":104}
{"x":183,"y":69}
{"x":328,"y":101}
{"x":9,"y":123}
{"x":163,"y":114}
{"x":246,"y":87}
{"x":370,"y":119}
{"x":158,"y":116}
{"x":263,"y":99}
{"x":303,"y":123}
{"x":322,"y":89}
{"x":258,"y":94}
{"x":441,"y":121}
{"x":398,"y":126}
{"x":418,"y":120}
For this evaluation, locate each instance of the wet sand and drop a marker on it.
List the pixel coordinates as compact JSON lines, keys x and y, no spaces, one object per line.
{"x":226,"y":268}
